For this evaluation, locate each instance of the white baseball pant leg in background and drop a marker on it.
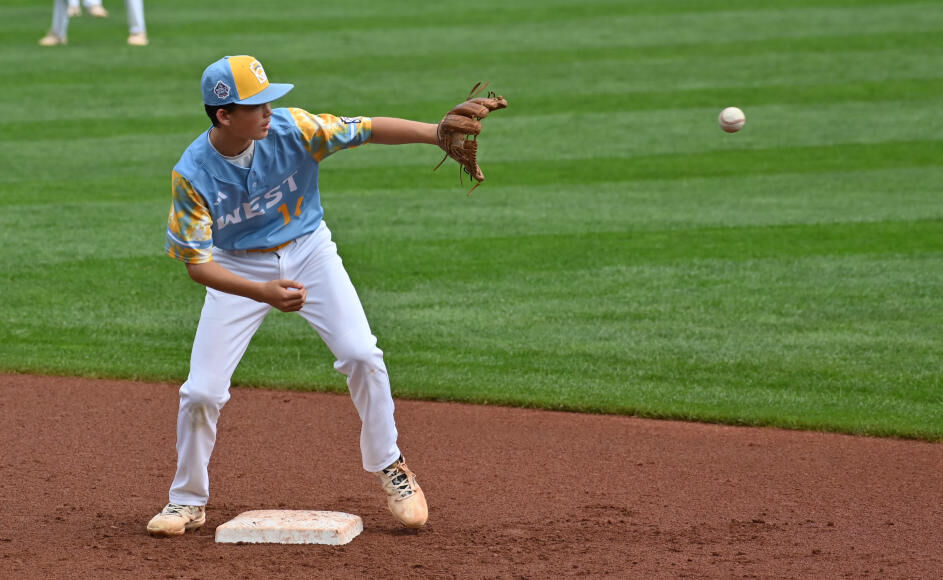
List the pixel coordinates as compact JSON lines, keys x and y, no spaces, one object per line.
{"x":60,"y":18}
{"x":135,"y":10}
{"x":226,"y":326}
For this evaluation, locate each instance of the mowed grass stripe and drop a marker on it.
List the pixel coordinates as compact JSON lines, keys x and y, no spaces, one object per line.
{"x":921,"y":92}
{"x":587,"y":24}
{"x":489,"y":59}
{"x":367,"y":216}
{"x":899,"y":91}
{"x":496,"y":257}
{"x":478,"y":258}
{"x":736,"y":163}
{"x":589,"y":135}
{"x":704,"y":82}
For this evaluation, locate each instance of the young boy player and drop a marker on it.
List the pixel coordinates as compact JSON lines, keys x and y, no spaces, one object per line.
{"x":246,"y":220}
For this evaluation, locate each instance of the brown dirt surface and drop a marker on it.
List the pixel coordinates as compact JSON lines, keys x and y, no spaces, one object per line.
{"x":513,"y":493}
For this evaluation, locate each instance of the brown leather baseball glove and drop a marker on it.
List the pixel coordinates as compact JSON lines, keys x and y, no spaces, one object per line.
{"x":458,"y":131}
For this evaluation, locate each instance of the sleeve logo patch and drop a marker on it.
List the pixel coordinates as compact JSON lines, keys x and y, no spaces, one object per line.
{"x":221,"y":90}
{"x":350,"y":120}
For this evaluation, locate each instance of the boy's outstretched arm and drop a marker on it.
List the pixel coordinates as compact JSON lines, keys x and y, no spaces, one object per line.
{"x":392,"y":131}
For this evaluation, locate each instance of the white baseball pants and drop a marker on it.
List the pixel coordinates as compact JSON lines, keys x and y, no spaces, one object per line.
{"x":60,"y":18}
{"x":228,"y":323}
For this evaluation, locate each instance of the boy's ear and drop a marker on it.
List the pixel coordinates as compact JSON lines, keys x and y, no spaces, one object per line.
{"x":222,"y":115}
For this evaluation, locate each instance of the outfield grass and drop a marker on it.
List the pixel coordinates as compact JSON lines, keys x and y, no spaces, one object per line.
{"x":624,"y":255}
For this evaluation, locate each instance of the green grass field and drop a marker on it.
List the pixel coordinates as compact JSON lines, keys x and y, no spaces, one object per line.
{"x":624,"y":255}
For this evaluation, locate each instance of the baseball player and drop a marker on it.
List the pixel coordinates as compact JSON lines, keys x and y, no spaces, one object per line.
{"x":57,"y":35}
{"x":246,"y":220}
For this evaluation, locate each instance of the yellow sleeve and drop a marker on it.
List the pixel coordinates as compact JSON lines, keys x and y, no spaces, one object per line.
{"x":327,"y":134}
{"x":189,"y":225}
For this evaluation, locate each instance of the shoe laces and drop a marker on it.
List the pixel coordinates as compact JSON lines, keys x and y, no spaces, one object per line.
{"x":396,"y":480}
{"x":174,"y":509}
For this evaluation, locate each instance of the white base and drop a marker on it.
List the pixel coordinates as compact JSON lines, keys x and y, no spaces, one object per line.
{"x":290,"y":527}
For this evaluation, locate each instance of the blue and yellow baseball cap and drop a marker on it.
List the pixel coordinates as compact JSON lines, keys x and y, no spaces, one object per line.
{"x":241,"y":80}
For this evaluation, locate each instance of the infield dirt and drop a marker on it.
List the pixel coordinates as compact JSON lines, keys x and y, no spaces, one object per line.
{"x":513,"y":493}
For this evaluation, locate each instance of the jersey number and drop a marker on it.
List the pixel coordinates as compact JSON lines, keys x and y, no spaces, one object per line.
{"x":283,"y":209}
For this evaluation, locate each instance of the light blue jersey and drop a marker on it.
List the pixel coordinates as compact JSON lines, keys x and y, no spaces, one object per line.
{"x":273,"y":201}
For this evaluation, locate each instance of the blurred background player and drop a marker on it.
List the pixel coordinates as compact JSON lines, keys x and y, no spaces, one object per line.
{"x":93,"y":7}
{"x":246,"y":219}
{"x":58,"y":33}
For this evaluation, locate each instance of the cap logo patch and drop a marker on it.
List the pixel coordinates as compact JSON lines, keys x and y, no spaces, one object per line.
{"x":221,"y":90}
{"x":258,"y":71}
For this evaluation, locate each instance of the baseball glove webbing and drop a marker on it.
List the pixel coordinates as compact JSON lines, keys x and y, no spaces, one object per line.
{"x":457,"y":133}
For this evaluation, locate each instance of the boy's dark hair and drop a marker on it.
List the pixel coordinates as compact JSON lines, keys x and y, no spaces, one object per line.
{"x":211,"y":111}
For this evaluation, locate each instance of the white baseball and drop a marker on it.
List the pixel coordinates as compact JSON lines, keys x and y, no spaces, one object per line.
{"x":731,"y":119}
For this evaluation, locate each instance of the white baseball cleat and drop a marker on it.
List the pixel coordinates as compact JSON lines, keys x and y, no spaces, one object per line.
{"x":98,"y":11}
{"x":52,"y":40}
{"x":139,"y":39}
{"x":406,"y":500}
{"x":175,"y":519}
{"x":74,"y":11}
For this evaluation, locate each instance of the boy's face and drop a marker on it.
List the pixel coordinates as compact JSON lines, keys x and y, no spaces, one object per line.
{"x":247,"y":121}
